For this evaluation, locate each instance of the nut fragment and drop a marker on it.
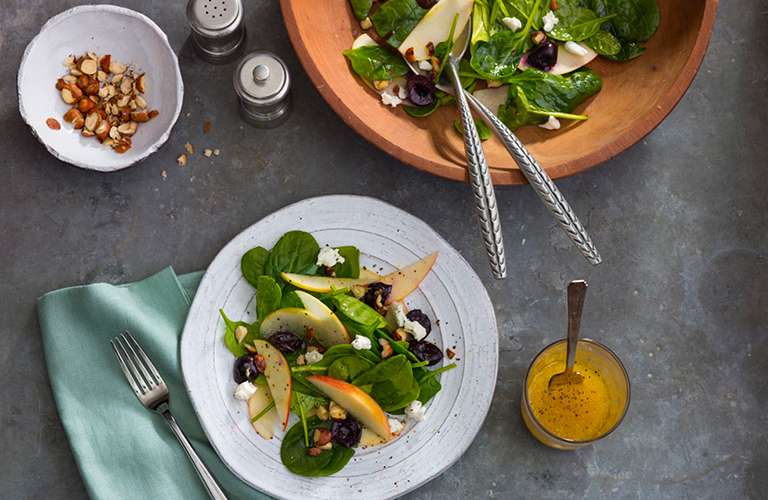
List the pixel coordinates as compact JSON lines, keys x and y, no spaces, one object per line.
{"x":102,"y":131}
{"x":322,"y":413}
{"x":316,"y":347}
{"x":539,"y":37}
{"x":215,"y":151}
{"x":142,"y":116}
{"x":409,"y":55}
{"x":553,"y":5}
{"x":92,"y":121}
{"x":60,"y":84}
{"x":117,"y":68}
{"x":53,"y":124}
{"x":155,"y":112}
{"x":69,"y":61}
{"x":301,"y":360}
{"x":450,"y":353}
{"x":101,"y":76}
{"x":188,"y":147}
{"x":141,"y":83}
{"x":122,"y":146}
{"x":92,"y":88}
{"x":240,"y":333}
{"x":69,"y":79}
{"x":260,"y":363}
{"x":126,"y":85}
{"x":72,"y":115}
{"x":104,"y":62}
{"x":87,"y":133}
{"x":400,"y":334}
{"x":115,"y":134}
{"x":386,"y":348}
{"x":322,"y":436}
{"x":141,"y":102}
{"x":381,"y":84}
{"x":430,"y":48}
{"x":206,"y":127}
{"x":117,"y":79}
{"x":71,"y":93}
{"x":314,"y":452}
{"x":79,"y":123}
{"x":82,"y":81}
{"x":207,"y":153}
{"x":127,"y":129}
{"x":182,"y":160}
{"x":336,"y":412}
{"x":88,"y":66}
{"x":85,"y":105}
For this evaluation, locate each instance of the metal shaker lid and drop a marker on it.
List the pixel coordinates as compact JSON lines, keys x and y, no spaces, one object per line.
{"x":213,"y":18}
{"x":262,"y":79}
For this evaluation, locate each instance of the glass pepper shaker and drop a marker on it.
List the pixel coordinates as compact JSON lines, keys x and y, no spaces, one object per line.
{"x":217,"y":29}
{"x":263,"y":86}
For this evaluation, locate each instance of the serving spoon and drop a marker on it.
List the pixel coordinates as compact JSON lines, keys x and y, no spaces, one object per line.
{"x":479,"y":175}
{"x":537,"y":177}
{"x":577,"y":290}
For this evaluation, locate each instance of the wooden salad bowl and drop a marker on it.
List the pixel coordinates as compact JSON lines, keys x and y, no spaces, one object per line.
{"x":636,"y":96}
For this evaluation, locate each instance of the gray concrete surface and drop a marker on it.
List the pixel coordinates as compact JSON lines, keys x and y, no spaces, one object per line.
{"x":680,"y":220}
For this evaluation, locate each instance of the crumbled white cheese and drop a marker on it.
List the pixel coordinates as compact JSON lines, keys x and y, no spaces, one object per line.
{"x":425,"y":65}
{"x":512,"y":23}
{"x":399,"y":313}
{"x":551,"y":124}
{"x":575,"y":48}
{"x":390,"y":100}
{"x":401,"y":92}
{"x":366,"y":23}
{"x":245,"y":391}
{"x":415,"y":329}
{"x":361,"y":343}
{"x":550,"y":20}
{"x":329,"y":257}
{"x":313,"y":357}
{"x":416,"y":411}
{"x":395,"y":426}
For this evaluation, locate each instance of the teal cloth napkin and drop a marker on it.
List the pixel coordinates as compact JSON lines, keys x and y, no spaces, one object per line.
{"x":122,"y":449}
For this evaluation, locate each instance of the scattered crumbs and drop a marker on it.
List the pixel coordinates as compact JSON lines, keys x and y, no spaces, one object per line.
{"x":182,"y":160}
{"x":207,"y":153}
{"x":437,"y":322}
{"x":216,"y":152}
{"x":163,"y":174}
{"x":192,"y":178}
{"x":190,"y":148}
{"x":207,"y":127}
{"x":189,"y":114}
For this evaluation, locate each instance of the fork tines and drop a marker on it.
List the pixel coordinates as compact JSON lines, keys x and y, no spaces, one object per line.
{"x":139,"y":376}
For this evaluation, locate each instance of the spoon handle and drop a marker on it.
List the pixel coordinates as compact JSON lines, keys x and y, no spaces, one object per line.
{"x":577,"y":290}
{"x":480,"y":179}
{"x":541,"y":182}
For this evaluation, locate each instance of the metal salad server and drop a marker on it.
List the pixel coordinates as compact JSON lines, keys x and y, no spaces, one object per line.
{"x":537,"y":177}
{"x":479,"y":175}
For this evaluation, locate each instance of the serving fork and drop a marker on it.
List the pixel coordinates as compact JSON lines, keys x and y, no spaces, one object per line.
{"x":151,"y":390}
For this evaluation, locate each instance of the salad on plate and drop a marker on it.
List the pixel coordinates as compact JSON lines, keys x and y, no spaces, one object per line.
{"x":334,"y":344}
{"x":526,"y":58}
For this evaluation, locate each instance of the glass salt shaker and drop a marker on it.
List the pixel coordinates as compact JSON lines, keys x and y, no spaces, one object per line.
{"x":263,"y":86}
{"x":217,"y":29}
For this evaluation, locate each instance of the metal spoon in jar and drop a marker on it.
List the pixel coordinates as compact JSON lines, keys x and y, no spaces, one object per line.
{"x":577,"y":290}
{"x":537,"y":177}
{"x":479,"y":175}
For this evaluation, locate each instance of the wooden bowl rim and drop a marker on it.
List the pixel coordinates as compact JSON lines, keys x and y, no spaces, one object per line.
{"x":514,"y":176}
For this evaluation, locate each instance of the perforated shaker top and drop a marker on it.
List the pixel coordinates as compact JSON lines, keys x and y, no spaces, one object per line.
{"x":213,"y":15}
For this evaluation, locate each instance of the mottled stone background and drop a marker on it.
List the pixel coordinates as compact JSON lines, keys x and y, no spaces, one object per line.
{"x":680,"y":220}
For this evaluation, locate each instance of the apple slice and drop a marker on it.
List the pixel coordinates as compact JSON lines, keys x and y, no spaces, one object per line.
{"x":492,"y":98}
{"x":278,"y":375}
{"x":265,"y":426}
{"x":322,"y":284}
{"x":364,"y":40}
{"x":289,"y":319}
{"x":370,"y":438}
{"x":435,"y":27}
{"x":359,"y":404}
{"x":330,"y":332}
{"x":407,"y":279}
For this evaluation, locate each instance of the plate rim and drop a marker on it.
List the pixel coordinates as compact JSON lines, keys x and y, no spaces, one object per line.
{"x":513,"y":176}
{"x":472,"y":276}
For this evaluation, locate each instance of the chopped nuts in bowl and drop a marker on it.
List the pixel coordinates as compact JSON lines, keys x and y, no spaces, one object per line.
{"x":120,"y":86}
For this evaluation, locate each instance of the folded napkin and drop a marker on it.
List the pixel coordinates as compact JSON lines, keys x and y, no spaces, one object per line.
{"x":122,"y":449}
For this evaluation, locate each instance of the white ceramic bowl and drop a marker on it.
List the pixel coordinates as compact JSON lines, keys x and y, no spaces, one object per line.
{"x":103,"y":29}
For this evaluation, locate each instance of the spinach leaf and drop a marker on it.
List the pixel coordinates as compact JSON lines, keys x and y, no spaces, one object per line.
{"x":350,"y":268}
{"x":535,"y":95}
{"x":576,"y":23}
{"x":361,"y":8}
{"x":429,"y":386}
{"x":635,"y":20}
{"x":498,"y":58}
{"x":604,"y":43}
{"x":291,"y":299}
{"x":483,"y":130}
{"x":381,"y":372}
{"x":293,"y":452}
{"x":391,"y":392}
{"x":348,"y":368}
{"x":359,"y":312}
{"x":422,"y":111}
{"x":376,"y":63}
{"x":301,"y":404}
{"x":629,"y":50}
{"x":299,"y":384}
{"x":396,"y":19}
{"x":268,"y":297}
{"x":229,"y":336}
{"x":294,"y":252}
{"x":407,"y":398}
{"x":252,"y":264}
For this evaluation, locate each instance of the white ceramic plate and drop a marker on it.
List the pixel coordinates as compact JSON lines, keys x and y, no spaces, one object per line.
{"x":388,"y":238}
{"x":104,"y":29}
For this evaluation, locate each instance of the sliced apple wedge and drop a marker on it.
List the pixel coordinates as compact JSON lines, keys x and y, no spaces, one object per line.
{"x":435,"y":27}
{"x":330,"y":332}
{"x":278,"y":375}
{"x":359,"y":404}
{"x":289,"y":319}
{"x":322,"y":284}
{"x":492,"y":98}
{"x":370,"y":438}
{"x":407,"y":279}
{"x":265,"y":425}
{"x":566,"y":61}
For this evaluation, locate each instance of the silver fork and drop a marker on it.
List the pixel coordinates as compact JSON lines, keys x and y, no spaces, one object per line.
{"x":151,"y":390}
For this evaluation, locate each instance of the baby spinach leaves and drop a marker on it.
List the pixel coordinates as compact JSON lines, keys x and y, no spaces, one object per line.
{"x":604,"y":43}
{"x":483,"y":130}
{"x":396,"y":19}
{"x":633,"y":21}
{"x":252,"y":264}
{"x":576,"y":23}
{"x":376,"y":63}
{"x":293,"y":452}
{"x":535,"y":95}
{"x":269,"y":297}
{"x":229,"y":335}
{"x":294,"y":252}
{"x":350,"y":268}
{"x":361,"y":8}
{"x":347,"y":368}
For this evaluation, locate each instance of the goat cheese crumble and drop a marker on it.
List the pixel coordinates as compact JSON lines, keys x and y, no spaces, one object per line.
{"x":412,"y":327}
{"x":415,"y":410}
{"x":551,"y":124}
{"x":550,"y":20}
{"x":575,"y":48}
{"x":361,"y":343}
{"x":395,"y":426}
{"x":512,"y":23}
{"x":329,"y":257}
{"x":245,"y":391}
{"x":390,"y":100}
{"x":313,"y":357}
{"x":425,"y":65}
